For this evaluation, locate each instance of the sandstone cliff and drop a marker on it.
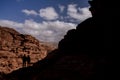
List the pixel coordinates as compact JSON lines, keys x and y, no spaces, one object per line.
{"x":13,"y":45}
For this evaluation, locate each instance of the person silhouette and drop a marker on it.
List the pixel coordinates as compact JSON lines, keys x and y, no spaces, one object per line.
{"x":24,"y":60}
{"x":28,"y":60}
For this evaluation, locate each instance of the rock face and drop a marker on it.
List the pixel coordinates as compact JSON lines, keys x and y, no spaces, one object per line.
{"x":13,"y":45}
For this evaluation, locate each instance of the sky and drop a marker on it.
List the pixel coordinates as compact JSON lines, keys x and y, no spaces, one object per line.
{"x":47,"y":20}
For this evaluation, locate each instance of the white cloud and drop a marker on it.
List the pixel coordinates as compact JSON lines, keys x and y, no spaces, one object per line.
{"x":79,"y":14}
{"x":11,"y":24}
{"x":48,"y":13}
{"x":61,"y":8}
{"x":74,"y":13}
{"x":29,"y":12}
{"x":49,"y":31}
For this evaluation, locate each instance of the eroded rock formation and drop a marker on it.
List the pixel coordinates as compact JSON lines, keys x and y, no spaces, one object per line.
{"x":13,"y":45}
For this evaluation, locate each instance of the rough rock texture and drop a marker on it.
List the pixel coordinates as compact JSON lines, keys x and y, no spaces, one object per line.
{"x":13,"y":45}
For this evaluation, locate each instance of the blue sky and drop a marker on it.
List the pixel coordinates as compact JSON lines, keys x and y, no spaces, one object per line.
{"x":47,"y":20}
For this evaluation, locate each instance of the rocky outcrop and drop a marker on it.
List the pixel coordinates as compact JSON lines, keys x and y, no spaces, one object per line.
{"x":13,"y":45}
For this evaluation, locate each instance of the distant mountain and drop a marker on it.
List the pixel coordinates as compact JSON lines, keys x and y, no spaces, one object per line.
{"x":14,"y":45}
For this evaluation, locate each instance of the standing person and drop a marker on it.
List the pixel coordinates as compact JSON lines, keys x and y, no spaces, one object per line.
{"x":28,"y":60}
{"x":24,"y":60}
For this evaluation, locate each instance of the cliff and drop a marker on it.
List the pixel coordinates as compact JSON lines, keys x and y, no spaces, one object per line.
{"x":13,"y":45}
